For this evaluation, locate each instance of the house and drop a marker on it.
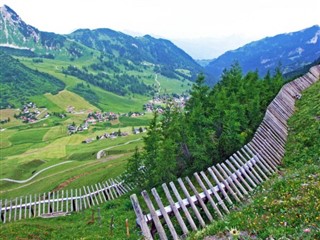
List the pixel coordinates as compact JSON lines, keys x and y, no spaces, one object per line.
{"x":88,"y":140}
{"x":85,"y":126}
{"x":72,"y":129}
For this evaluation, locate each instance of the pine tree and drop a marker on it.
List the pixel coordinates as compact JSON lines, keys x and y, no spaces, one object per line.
{"x":135,"y":170}
{"x":151,"y":154}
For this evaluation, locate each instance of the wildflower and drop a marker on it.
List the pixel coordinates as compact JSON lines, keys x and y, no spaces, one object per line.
{"x":307,"y":230}
{"x":235,"y":233}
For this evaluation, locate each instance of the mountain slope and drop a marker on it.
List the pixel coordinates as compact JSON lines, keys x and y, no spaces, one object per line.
{"x":17,"y":82}
{"x":15,"y":33}
{"x":167,"y":57}
{"x":291,"y":50}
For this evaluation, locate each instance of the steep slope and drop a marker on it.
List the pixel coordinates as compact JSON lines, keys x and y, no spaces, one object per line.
{"x":17,"y":82}
{"x":286,"y":206}
{"x":291,"y":50}
{"x":169,"y":60}
{"x":16,"y":34}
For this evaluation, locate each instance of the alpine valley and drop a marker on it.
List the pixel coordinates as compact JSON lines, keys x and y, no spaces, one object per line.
{"x":97,"y":106}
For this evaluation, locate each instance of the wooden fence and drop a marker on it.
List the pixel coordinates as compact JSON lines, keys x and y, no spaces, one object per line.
{"x":62,"y":202}
{"x":213,"y":192}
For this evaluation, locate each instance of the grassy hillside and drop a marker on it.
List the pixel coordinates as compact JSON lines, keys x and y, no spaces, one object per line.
{"x":288,"y":205}
{"x":100,"y":98}
{"x":64,"y":99}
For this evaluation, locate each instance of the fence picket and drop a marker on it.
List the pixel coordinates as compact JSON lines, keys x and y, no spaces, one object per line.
{"x":202,"y":204}
{"x":154,"y":216}
{"x":183,"y":206}
{"x":175,"y":210}
{"x":164,"y":214}
{"x":204,"y":189}
{"x":190,"y":201}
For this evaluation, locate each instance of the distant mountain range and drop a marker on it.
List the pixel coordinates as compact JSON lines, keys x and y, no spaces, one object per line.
{"x":119,"y":63}
{"x":168,"y":59}
{"x":290,"y":51}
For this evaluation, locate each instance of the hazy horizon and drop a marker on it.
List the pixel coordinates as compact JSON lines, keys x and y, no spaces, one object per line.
{"x":202,"y":28}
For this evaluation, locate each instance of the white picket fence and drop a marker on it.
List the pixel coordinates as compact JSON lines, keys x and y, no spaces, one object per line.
{"x":61,"y":202}
{"x":213,"y":192}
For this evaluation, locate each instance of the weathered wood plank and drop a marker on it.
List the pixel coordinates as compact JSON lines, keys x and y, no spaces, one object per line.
{"x":229,"y":183}
{"x":183,"y":207}
{"x":164,"y":214}
{"x":235,"y":179}
{"x":155,"y":218}
{"x":215,"y":193}
{"x":140,"y":217}
{"x":204,"y":189}
{"x":175,"y":210}
{"x":193,"y":206}
{"x":243,"y":171}
{"x":199,"y":198}
{"x":238,"y":172}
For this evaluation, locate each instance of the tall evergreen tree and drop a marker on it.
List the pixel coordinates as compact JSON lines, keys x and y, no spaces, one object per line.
{"x":151,"y":154}
{"x":135,"y":170}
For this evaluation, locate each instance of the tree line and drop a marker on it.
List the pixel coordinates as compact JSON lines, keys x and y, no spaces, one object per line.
{"x":121,"y":84}
{"x":215,"y":123}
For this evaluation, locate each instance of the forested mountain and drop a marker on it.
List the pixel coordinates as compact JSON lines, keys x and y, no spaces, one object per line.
{"x":168,"y":59}
{"x":290,"y":51}
{"x":17,"y":82}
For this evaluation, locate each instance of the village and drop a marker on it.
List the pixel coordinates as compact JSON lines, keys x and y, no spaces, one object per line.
{"x":99,"y":117}
{"x":158,"y":102}
{"x":30,"y":113}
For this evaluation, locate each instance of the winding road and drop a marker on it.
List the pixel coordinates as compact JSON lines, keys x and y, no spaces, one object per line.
{"x":156,"y":80}
{"x":27,"y":180}
{"x":100,"y":153}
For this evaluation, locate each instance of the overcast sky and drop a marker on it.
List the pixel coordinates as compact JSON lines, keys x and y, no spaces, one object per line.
{"x":244,"y":20}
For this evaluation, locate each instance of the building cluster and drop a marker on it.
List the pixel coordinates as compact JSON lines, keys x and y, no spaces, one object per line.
{"x":158,"y":103}
{"x":29,"y":113}
{"x":112,"y":135}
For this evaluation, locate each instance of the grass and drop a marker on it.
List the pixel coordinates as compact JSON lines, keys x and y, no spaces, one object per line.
{"x":43,"y":101}
{"x":75,"y":226}
{"x":288,"y":205}
{"x":29,"y":136}
{"x":48,"y":143}
{"x":8,"y":113}
{"x":65,"y":98}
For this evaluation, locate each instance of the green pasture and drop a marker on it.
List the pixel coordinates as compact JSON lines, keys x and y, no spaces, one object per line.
{"x":82,"y":173}
{"x":55,"y":132}
{"x":107,"y":101}
{"x":6,"y":114}
{"x":65,"y":98}
{"x":28,"y":136}
{"x":49,"y":146}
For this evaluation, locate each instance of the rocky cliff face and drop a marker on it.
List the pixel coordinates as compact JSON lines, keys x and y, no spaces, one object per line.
{"x":16,"y":33}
